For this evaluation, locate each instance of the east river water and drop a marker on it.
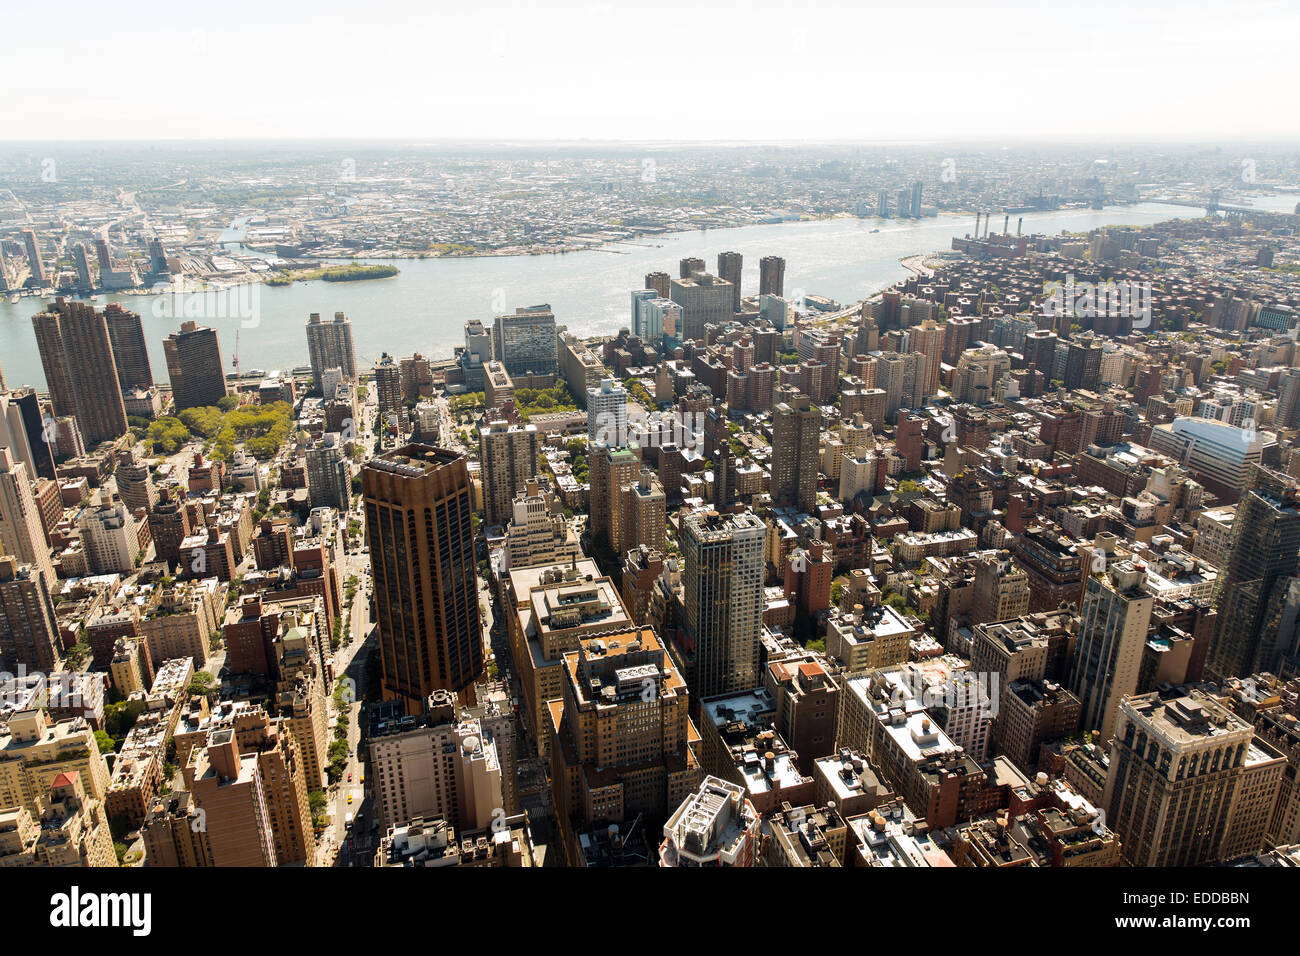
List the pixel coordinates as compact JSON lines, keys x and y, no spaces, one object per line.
{"x":424,"y":308}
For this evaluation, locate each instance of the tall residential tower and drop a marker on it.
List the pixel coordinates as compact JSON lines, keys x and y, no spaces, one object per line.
{"x":419,"y":505}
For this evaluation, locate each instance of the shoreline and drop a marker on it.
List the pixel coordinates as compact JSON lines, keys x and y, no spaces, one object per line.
{"x":610,"y":246}
{"x":644,"y":238}
{"x":916,"y":264}
{"x":638,"y":239}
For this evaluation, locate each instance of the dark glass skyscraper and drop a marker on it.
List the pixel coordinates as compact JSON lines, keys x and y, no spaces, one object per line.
{"x":418,"y":502}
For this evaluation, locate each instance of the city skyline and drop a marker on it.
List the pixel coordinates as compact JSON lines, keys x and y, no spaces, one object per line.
{"x":603,"y":437}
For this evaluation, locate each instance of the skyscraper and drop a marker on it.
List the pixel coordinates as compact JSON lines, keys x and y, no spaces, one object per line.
{"x":927,"y":338}
{"x":77,"y":355}
{"x":109,"y":536}
{"x":660,"y":317}
{"x":508,"y":455}
{"x":329,"y":473}
{"x":1175,"y":767}
{"x":1039,"y":350}
{"x":640,"y":296}
{"x":103,"y":255}
{"x":16,"y":435}
{"x":453,"y":763}
{"x":723,"y":582}
{"x":158,"y":257}
{"x":688,"y":266}
{"x":388,"y":387}
{"x":126,"y":333}
{"x":1001,"y":589}
{"x":1263,"y":551}
{"x":1287,"y":414}
{"x":329,"y":345}
{"x":774,"y":310}
{"x":1083,"y":363}
{"x":419,"y":505}
{"x":1112,"y":632}
{"x":771,"y":276}
{"x":525,"y":341}
{"x":34,"y":258}
{"x":704,"y":299}
{"x":612,"y":469}
{"x":54,"y":362}
{"x":82,"y":265}
{"x":620,"y":735}
{"x":730,"y":265}
{"x":796,"y":430}
{"x":194,"y":366}
{"x":916,"y":200}
{"x":643,"y":514}
{"x":229,"y":788}
{"x":135,"y":482}
{"x":607,"y":413}
{"x":659,"y":281}
{"x":169,"y":525}
{"x":34,"y":422}
{"x":28,"y":628}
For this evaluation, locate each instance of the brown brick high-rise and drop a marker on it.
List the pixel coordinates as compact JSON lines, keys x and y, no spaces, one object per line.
{"x":80,"y":370}
{"x":126,"y":333}
{"x":194,"y":366}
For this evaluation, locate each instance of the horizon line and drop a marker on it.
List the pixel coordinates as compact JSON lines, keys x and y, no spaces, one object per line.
{"x":1199,"y":139}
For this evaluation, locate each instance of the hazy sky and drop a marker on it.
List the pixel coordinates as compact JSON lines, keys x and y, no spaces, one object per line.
{"x":707,"y":69}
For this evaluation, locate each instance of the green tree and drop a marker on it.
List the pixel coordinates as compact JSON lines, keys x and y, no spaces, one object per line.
{"x":262,"y":429}
{"x":80,"y":653}
{"x":202,"y":683}
{"x":204,"y":421}
{"x":167,"y":434}
{"x":338,"y":760}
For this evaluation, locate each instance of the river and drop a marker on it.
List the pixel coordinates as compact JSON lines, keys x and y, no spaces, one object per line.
{"x":425,"y":307}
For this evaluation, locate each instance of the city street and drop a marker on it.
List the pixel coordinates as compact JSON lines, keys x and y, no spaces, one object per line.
{"x":350,"y":663}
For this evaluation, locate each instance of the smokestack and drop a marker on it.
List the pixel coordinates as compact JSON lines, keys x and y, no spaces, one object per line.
{"x":1006,"y":225}
{"x":1019,"y":223}
{"x":977,"y":223}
